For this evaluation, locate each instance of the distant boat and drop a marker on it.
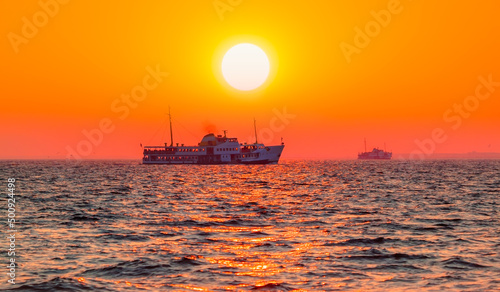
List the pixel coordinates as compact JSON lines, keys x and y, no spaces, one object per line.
{"x":375,"y":154}
{"x":213,"y":150}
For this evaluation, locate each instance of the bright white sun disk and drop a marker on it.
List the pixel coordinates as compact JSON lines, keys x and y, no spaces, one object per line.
{"x":245,"y":67}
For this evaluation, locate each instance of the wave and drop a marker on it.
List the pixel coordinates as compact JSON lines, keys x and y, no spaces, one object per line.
{"x":122,"y":237}
{"x":61,"y":284}
{"x":360,"y":242}
{"x":374,"y":254}
{"x":129,"y":269}
{"x":457,"y":263}
{"x":272,"y":287}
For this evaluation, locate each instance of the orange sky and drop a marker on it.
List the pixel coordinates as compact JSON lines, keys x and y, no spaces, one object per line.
{"x":65,"y":67}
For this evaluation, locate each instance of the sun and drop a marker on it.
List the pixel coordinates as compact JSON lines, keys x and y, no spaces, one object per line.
{"x":245,"y":67}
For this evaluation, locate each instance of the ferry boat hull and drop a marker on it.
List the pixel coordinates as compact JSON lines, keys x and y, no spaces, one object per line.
{"x":213,"y":150}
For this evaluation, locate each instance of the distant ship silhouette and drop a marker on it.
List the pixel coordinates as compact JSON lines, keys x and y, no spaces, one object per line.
{"x":376,"y":154}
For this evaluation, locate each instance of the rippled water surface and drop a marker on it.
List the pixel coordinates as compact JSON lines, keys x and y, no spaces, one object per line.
{"x":310,"y":226}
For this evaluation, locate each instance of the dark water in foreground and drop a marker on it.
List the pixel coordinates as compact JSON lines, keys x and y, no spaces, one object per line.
{"x":316,"y":226}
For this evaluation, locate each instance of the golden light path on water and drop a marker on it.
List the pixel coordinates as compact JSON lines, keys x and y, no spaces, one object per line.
{"x":297,"y":226}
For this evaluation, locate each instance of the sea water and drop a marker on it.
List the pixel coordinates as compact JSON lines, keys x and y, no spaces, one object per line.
{"x":298,"y":225}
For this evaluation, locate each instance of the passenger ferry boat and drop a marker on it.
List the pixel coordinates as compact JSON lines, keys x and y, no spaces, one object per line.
{"x":213,"y":150}
{"x":375,"y":154}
